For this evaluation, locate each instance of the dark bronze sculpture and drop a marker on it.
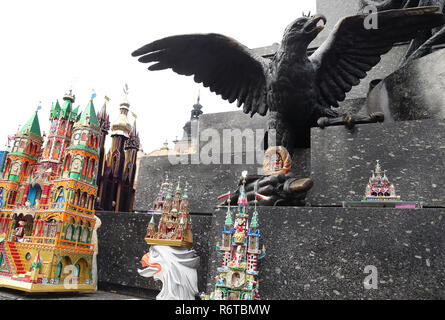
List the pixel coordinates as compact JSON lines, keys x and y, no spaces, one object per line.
{"x":294,"y":89}
{"x":424,"y":41}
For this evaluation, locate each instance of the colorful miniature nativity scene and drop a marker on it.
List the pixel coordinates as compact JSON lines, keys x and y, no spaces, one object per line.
{"x":47,"y":198}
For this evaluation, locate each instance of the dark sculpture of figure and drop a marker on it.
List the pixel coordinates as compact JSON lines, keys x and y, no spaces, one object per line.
{"x":294,"y":89}
{"x":422,"y":44}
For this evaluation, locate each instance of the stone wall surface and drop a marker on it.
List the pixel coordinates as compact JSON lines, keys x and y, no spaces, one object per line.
{"x":413,"y":92}
{"x":413,"y":152}
{"x":312,"y":253}
{"x":207,"y":181}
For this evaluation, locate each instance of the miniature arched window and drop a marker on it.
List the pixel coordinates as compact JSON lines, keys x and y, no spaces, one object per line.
{"x":76,"y":233}
{"x":46,"y":151}
{"x":83,"y":200}
{"x":7,"y":167}
{"x":56,"y":149}
{"x":60,"y":200}
{"x":76,"y":271}
{"x":69,"y":230}
{"x":76,"y":197}
{"x":85,"y":166}
{"x":95,"y":141}
{"x":253,"y":243}
{"x":2,"y":199}
{"x":67,"y":164}
{"x":226,"y":240}
{"x":24,"y":169}
{"x":85,"y":232}
{"x":59,"y":270}
{"x":84,"y":136}
{"x":91,"y":168}
{"x":62,"y":127}
{"x":91,"y":203}
{"x":28,"y":147}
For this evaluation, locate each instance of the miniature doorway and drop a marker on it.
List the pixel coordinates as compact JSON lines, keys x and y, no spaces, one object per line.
{"x":58,"y":272}
{"x":80,"y":270}
{"x":66,"y":262}
{"x":34,"y":194}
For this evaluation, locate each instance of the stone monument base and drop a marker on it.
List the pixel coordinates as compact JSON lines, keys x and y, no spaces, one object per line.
{"x":312,"y":253}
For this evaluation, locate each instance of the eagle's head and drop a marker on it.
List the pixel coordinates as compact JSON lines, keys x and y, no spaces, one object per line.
{"x":176,"y":268}
{"x":301,"y":32}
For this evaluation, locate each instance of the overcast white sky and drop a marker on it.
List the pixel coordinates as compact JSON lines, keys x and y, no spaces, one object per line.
{"x":49,"y":46}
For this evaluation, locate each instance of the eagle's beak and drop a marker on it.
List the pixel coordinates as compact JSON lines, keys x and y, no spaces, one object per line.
{"x":312,"y":24}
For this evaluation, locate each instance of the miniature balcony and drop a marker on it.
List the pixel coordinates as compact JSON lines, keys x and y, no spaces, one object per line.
{"x":68,"y":207}
{"x":59,"y":243}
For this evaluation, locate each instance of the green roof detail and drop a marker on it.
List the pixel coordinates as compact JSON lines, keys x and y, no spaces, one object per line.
{"x":228,"y":217}
{"x":254,"y":222}
{"x":55,"y":110}
{"x":89,"y":115}
{"x":74,"y":114}
{"x":57,"y":107}
{"x":32,"y":125}
{"x":66,"y":107}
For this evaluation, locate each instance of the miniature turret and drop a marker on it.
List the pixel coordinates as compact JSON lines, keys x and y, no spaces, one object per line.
{"x":240,"y":252}
{"x":161,"y":196}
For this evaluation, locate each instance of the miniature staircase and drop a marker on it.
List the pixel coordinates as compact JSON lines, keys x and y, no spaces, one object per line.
{"x":16,"y":258}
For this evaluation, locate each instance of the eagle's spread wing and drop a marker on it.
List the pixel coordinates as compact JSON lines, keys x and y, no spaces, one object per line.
{"x":221,"y":63}
{"x":351,"y":50}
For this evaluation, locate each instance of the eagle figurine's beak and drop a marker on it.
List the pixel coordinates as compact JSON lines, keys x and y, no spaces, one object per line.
{"x":312,"y":25}
{"x":151,"y":268}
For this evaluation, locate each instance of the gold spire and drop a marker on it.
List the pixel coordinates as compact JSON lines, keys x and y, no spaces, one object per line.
{"x":122,"y":126}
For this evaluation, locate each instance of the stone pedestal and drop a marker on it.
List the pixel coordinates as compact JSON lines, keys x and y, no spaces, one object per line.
{"x":413,"y":152}
{"x":413,"y":92}
{"x":312,"y":253}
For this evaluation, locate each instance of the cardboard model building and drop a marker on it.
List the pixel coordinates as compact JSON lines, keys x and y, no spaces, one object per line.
{"x":380,"y":192}
{"x":170,"y":258}
{"x":240,"y":254}
{"x":47,"y":196}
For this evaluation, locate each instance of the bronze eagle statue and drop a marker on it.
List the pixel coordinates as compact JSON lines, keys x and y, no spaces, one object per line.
{"x":295,"y":90}
{"x":424,"y":41}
